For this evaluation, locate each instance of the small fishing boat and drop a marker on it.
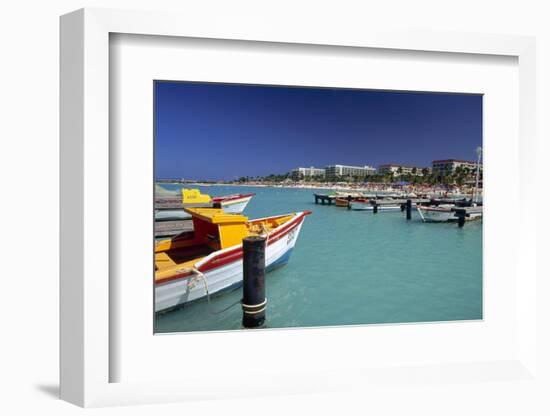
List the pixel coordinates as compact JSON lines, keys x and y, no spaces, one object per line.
{"x":366,"y":205}
{"x":341,"y":202}
{"x":446,"y":213}
{"x":207,"y":260}
{"x":441,"y":213}
{"x":171,"y":209}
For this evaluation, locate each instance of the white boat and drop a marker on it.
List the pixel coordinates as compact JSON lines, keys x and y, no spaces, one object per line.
{"x":360,"y":205}
{"x":444,"y":213}
{"x":232,"y":204}
{"x":208,"y":260}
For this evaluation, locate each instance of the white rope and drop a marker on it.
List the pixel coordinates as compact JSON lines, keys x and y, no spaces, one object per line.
{"x":199,"y":275}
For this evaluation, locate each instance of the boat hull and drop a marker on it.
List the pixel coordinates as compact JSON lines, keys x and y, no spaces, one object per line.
{"x":223,"y":270}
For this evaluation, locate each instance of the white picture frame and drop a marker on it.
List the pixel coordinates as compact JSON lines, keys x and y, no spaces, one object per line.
{"x":86,"y":355}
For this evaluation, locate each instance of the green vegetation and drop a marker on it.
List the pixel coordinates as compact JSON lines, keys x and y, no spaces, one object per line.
{"x":460,"y":176}
{"x":457,"y":177}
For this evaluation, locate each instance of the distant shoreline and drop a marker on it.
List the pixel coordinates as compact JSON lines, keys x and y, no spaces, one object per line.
{"x":253,"y":185}
{"x":464,"y":190}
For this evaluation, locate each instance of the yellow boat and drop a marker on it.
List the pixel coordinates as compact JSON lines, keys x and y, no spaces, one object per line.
{"x":173,"y":207}
{"x":209,"y":258}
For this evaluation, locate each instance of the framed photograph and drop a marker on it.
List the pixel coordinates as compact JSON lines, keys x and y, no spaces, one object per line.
{"x":291,"y":207}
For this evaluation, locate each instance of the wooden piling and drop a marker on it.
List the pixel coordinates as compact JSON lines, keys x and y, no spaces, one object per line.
{"x":409,"y":208}
{"x":254,"y":302}
{"x":349,"y":201}
{"x":461,"y":214}
{"x":375,"y":208}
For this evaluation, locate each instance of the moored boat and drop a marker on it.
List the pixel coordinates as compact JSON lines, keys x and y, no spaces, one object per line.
{"x":341,"y":202}
{"x":173,"y":208}
{"x":446,"y":213}
{"x":441,"y":213}
{"x":208,"y":259}
{"x":367,"y":205}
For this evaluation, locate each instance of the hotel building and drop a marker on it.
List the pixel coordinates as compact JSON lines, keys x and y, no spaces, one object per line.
{"x":343,"y":171}
{"x":441,"y":167}
{"x":405,"y":169}
{"x":303,"y":172}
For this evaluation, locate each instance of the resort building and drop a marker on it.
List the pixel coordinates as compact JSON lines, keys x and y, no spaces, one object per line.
{"x":343,"y":171}
{"x":401,"y":169}
{"x":299,"y":173}
{"x":447,"y":166}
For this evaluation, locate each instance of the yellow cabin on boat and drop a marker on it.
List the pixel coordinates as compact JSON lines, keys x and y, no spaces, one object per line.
{"x":213,"y":230}
{"x":194,"y":196}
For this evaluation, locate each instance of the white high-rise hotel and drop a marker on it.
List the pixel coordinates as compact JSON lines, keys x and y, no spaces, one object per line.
{"x":441,"y":167}
{"x":333,"y":172}
{"x":303,"y":172}
{"x":343,"y":171}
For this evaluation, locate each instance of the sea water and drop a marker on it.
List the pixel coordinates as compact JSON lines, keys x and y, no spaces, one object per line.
{"x":352,"y":267}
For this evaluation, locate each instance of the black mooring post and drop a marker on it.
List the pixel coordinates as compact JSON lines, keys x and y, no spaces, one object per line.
{"x":375,"y":208}
{"x":460,"y":213}
{"x":409,"y":207}
{"x":316,"y":199}
{"x":349,"y":201}
{"x":462,"y":218}
{"x":254,"y":301}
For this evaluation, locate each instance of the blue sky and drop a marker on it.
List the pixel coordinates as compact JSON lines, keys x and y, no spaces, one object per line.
{"x":223,"y":131}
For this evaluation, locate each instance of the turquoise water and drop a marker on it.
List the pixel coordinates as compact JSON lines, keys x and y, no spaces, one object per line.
{"x":353,"y":267}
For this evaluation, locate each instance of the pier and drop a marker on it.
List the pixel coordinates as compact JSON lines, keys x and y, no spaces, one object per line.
{"x":324,"y":198}
{"x":175,"y":203}
{"x":462,"y":210}
{"x":166,"y":228}
{"x":172,"y":228}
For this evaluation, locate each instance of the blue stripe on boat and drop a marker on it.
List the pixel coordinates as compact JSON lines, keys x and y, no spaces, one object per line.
{"x":280,"y":261}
